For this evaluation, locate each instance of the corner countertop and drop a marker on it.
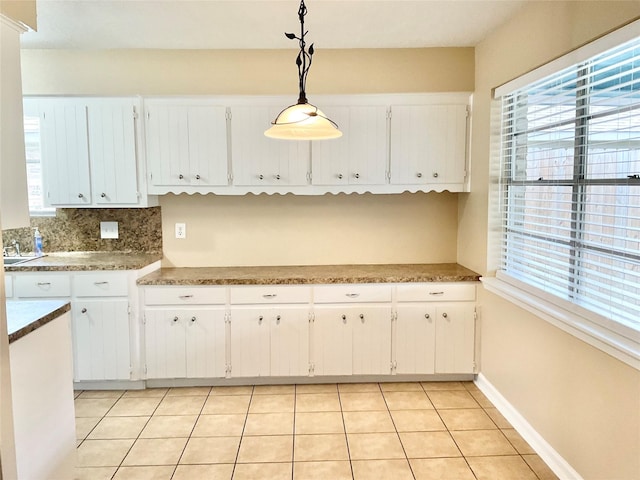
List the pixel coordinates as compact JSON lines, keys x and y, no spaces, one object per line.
{"x":23,"y":317}
{"x":308,"y":274}
{"x":75,"y":261}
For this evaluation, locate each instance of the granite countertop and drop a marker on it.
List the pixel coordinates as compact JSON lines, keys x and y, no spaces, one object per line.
{"x":291,"y":275}
{"x":68,"y":261}
{"x":24,"y":317}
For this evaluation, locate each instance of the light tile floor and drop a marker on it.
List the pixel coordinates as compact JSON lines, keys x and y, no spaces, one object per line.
{"x":396,"y":431}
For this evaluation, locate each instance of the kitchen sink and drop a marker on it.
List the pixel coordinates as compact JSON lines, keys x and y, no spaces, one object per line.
{"x":16,"y":260}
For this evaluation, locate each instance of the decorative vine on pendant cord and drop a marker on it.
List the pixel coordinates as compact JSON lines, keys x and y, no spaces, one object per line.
{"x":304,"y":58}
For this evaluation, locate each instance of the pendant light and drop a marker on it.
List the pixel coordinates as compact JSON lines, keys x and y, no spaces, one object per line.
{"x":302,"y":121}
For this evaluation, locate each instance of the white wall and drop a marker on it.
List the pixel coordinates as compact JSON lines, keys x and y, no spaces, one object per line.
{"x":585,"y":403}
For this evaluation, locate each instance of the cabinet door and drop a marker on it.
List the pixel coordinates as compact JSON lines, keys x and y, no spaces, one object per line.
{"x":65,"y":152}
{"x":186,"y":144}
{"x":455,"y":338}
{"x":205,"y":343}
{"x":101,"y":340}
{"x":250,"y":344}
{"x":428,"y":144}
{"x":332,"y":341}
{"x":359,"y":157}
{"x":371,"y":340}
{"x":112,"y":145}
{"x":165,"y":344}
{"x":289,"y":341}
{"x":415,"y":339}
{"x":261,"y":161}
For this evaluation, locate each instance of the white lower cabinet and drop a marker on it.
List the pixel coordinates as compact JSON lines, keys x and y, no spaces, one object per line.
{"x":271,"y":341}
{"x":455,"y":338}
{"x":352,"y":340}
{"x":101,"y":339}
{"x":185,"y":343}
{"x":415,"y":339}
{"x":321,"y":330}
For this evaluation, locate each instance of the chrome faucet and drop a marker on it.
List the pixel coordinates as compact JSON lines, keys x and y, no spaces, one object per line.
{"x":16,"y":247}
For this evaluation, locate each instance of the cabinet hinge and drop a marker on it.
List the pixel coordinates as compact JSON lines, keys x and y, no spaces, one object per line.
{"x":312,"y":317}
{"x":388,"y":173}
{"x":468,"y":109}
{"x":389,"y":113}
{"x":129,"y":309}
{"x":230,"y":178}
{"x":309,"y":177}
{"x":227,"y":114}
{"x":145,"y":368}
{"x":312,"y":368}
{"x":144,"y":319}
{"x":475,"y":315}
{"x":135,"y":113}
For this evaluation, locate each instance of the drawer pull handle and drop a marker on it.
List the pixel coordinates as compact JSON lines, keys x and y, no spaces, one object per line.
{"x":101,"y":283}
{"x":84,"y":310}
{"x":436,"y":293}
{"x":427,"y":316}
{"x":444,"y":315}
{"x":352,"y":295}
{"x":175,"y":319}
{"x":43,"y":284}
{"x":185,"y":297}
{"x":270,"y":295}
{"x":193,"y":319}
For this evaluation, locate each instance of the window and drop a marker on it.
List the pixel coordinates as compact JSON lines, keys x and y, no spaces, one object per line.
{"x":37,"y":206}
{"x":570,"y":186}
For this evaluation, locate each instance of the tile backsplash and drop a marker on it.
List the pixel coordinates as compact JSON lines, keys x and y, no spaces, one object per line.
{"x":78,"y":230}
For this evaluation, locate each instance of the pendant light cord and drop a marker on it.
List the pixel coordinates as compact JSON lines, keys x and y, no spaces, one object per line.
{"x":305,"y":57}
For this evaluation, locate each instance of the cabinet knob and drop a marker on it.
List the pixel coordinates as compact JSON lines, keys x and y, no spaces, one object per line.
{"x":340,"y":176}
{"x":175,"y":319}
{"x":344,"y":318}
{"x":362,"y":317}
{"x":103,"y":195}
{"x":261,"y":177}
{"x":427,"y":316}
{"x":444,"y":315}
{"x":419,"y":175}
{"x":193,"y":319}
{"x":84,"y":310}
{"x":435,"y":174}
{"x":277,"y":177}
{"x":260,"y":319}
{"x":80,"y":195}
{"x":356,"y":175}
{"x":278,"y":320}
{"x":197,"y":177}
{"x":180,"y":176}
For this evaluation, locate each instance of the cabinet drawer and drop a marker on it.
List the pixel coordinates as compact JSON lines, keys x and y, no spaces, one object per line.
{"x":436,"y":292}
{"x":185,"y":295}
{"x":270,"y":294}
{"x":50,"y":285}
{"x":101,"y":284}
{"x":352,"y":293}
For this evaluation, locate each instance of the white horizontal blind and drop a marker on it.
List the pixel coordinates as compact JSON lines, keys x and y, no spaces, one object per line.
{"x":570,"y":183}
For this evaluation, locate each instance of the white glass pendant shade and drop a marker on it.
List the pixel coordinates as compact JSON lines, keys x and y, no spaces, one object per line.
{"x":303,"y":121}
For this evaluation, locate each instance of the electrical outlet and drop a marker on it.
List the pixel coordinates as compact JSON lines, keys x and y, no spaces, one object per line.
{"x":108,"y":229}
{"x":181,"y":230}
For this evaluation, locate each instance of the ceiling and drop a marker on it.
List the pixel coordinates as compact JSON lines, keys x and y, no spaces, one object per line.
{"x":251,"y":24}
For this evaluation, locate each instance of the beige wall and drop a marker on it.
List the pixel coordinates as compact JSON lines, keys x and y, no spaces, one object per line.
{"x":583,"y":402}
{"x":264,"y":230}
{"x":23,"y":11}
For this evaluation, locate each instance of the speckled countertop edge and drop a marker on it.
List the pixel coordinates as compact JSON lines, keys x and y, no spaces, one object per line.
{"x":77,"y":261}
{"x":320,"y":274}
{"x":23,"y":317}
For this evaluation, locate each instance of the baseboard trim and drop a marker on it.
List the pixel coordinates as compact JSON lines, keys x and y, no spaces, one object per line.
{"x":551,"y":457}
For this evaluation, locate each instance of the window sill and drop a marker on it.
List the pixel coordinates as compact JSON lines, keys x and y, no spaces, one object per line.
{"x":625,"y":348}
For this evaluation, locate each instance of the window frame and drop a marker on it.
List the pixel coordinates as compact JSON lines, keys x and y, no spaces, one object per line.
{"x":620,"y":339}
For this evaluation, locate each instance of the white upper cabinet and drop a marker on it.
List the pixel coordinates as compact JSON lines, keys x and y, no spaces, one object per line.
{"x":429,"y":146}
{"x":264,"y":162}
{"x":90,"y":152}
{"x":112,"y":148}
{"x":65,"y":152}
{"x":186,"y":144}
{"x":359,"y":157}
